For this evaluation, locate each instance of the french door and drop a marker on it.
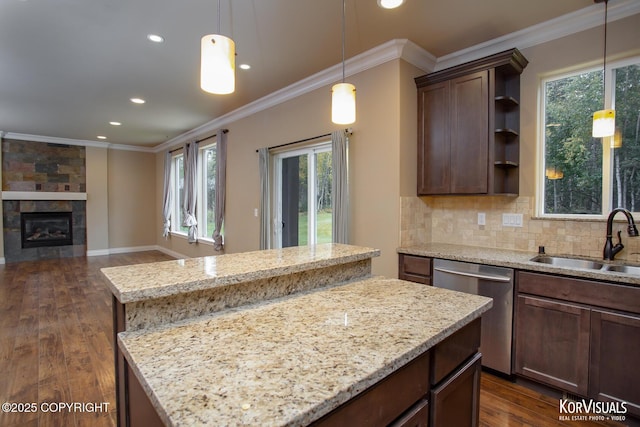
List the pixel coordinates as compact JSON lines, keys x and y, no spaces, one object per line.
{"x":302,"y":196}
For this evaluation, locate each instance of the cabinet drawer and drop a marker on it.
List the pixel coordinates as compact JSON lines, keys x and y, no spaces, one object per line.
{"x":453,"y":351}
{"x":415,"y":268}
{"x":417,"y":416}
{"x":386,"y":400}
{"x":608,"y":295}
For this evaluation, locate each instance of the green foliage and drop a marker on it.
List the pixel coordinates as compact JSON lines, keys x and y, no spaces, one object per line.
{"x":570,"y":148}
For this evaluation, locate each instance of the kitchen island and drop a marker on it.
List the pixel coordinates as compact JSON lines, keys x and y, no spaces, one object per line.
{"x":348,"y":351}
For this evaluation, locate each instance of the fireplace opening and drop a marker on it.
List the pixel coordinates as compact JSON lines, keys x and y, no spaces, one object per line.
{"x":46,"y":229}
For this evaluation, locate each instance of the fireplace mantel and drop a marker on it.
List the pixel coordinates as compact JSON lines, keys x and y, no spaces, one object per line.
{"x":43,"y":195}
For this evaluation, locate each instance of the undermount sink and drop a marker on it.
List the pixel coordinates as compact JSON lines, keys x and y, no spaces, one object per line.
{"x":628,"y":269}
{"x":588,"y":264}
{"x":568,"y":262}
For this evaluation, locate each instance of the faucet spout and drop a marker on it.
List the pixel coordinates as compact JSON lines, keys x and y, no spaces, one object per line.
{"x":610,"y":250}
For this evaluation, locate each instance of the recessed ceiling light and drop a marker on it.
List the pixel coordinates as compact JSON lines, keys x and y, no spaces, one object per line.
{"x":138,"y":100}
{"x":390,"y":4}
{"x":115,"y":123}
{"x":155,"y":38}
{"x":245,"y":66}
{"x":101,"y":137}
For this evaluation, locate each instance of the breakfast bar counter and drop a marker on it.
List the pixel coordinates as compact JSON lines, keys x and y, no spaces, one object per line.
{"x":293,"y":336}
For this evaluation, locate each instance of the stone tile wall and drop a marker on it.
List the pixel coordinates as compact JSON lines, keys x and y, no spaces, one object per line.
{"x":455,"y":220}
{"x":39,"y":166}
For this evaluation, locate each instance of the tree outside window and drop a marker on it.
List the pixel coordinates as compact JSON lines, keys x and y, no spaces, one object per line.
{"x":578,"y":179}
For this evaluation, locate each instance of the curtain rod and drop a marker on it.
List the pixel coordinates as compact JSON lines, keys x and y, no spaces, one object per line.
{"x":200,"y":140}
{"x":348,"y":130}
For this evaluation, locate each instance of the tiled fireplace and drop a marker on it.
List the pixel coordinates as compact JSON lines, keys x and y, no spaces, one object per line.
{"x":41,"y":246}
{"x":44,"y":200}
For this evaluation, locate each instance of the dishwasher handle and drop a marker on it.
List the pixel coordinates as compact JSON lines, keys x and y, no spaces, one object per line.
{"x":475,"y":275}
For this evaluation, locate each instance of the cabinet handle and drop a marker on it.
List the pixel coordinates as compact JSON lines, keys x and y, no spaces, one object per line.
{"x":475,"y":275}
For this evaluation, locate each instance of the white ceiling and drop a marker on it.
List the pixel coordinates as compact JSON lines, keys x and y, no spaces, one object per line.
{"x":68,"y":67}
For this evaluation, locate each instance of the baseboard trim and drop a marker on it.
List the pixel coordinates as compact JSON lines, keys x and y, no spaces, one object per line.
{"x":113,"y":251}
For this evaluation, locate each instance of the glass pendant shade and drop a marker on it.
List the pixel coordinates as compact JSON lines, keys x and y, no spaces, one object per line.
{"x":217,"y":64}
{"x":604,"y":123}
{"x":343,"y":104}
{"x":554,"y":173}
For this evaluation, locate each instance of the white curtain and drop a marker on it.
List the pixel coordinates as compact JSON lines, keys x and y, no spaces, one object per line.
{"x":220,"y":190}
{"x":167,"y":196}
{"x":340,"y":186}
{"x":265,"y":211}
{"x":190,"y":191}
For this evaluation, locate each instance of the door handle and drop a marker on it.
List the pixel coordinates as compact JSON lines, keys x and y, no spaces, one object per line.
{"x":489,"y":277}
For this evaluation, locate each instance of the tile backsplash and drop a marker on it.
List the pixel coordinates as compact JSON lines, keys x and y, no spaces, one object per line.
{"x":454,"y":219}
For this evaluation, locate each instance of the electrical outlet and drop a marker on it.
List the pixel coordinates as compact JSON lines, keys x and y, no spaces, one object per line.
{"x":482,"y":218}
{"x":511,"y":220}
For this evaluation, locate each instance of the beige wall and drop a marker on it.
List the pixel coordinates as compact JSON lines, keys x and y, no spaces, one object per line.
{"x":97,"y":166}
{"x":131,"y":202}
{"x":454,"y":219}
{"x":384,"y":132}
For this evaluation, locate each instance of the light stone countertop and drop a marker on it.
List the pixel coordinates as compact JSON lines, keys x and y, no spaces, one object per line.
{"x":161,"y":279}
{"x":292,"y":360}
{"x":514,"y":259}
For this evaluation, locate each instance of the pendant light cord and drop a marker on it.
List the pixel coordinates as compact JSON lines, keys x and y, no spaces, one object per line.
{"x":219,"y":18}
{"x":343,"y":32}
{"x":604,"y":62}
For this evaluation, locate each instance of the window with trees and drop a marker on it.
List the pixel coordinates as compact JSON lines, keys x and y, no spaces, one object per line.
{"x":302,"y":194}
{"x":585,"y":175}
{"x":205,"y":213}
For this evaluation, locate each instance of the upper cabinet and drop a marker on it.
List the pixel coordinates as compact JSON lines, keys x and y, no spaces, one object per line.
{"x":468,"y":127}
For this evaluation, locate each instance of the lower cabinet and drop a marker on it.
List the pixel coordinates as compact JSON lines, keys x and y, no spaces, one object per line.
{"x":440,"y":388}
{"x":552,"y":343}
{"x":579,"y":336}
{"x":614,"y":374}
{"x":452,"y":403}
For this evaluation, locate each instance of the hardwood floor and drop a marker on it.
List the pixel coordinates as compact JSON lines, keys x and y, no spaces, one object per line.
{"x":56,"y":342}
{"x":56,"y":347}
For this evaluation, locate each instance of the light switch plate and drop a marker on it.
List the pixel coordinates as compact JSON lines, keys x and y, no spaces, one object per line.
{"x":482,"y":218}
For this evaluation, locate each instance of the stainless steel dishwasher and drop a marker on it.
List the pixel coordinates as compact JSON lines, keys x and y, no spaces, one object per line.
{"x":489,"y":281}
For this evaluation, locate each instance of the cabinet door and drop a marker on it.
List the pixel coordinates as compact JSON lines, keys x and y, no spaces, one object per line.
{"x":469,"y":121}
{"x":615,"y":352}
{"x":456,"y":401}
{"x":552,"y":343}
{"x":433,"y":139}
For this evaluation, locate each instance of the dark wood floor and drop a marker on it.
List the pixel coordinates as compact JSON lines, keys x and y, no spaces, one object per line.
{"x":56,"y":346}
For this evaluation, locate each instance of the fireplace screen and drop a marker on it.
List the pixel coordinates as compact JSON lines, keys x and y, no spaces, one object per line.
{"x":46,"y":229}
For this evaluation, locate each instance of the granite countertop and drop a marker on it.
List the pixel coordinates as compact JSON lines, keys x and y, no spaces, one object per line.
{"x":514,"y":259}
{"x":292,"y":360}
{"x":160,"y":279}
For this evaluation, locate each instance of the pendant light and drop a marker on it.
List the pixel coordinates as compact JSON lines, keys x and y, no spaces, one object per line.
{"x":343,"y":95}
{"x":217,"y":63}
{"x":604,"y":121}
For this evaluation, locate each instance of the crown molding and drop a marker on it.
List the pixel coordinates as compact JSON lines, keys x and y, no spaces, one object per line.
{"x":389,"y":51}
{"x":69,"y":141}
{"x":565,"y":25}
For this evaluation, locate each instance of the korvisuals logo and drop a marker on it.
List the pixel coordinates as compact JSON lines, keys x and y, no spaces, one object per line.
{"x":591,"y":410}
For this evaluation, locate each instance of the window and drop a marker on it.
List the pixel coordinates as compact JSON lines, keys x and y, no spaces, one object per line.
{"x":585,"y":175}
{"x":302,"y":194}
{"x":205,"y":213}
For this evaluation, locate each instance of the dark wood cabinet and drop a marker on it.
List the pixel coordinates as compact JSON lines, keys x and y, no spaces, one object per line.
{"x":468,"y":127}
{"x":615,"y":351}
{"x":579,"y":336}
{"x":414,"y":268}
{"x":451,"y":401}
{"x":552,"y":343}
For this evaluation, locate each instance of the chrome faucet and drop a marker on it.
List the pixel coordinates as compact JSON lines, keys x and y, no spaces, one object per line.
{"x":610,"y":250}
